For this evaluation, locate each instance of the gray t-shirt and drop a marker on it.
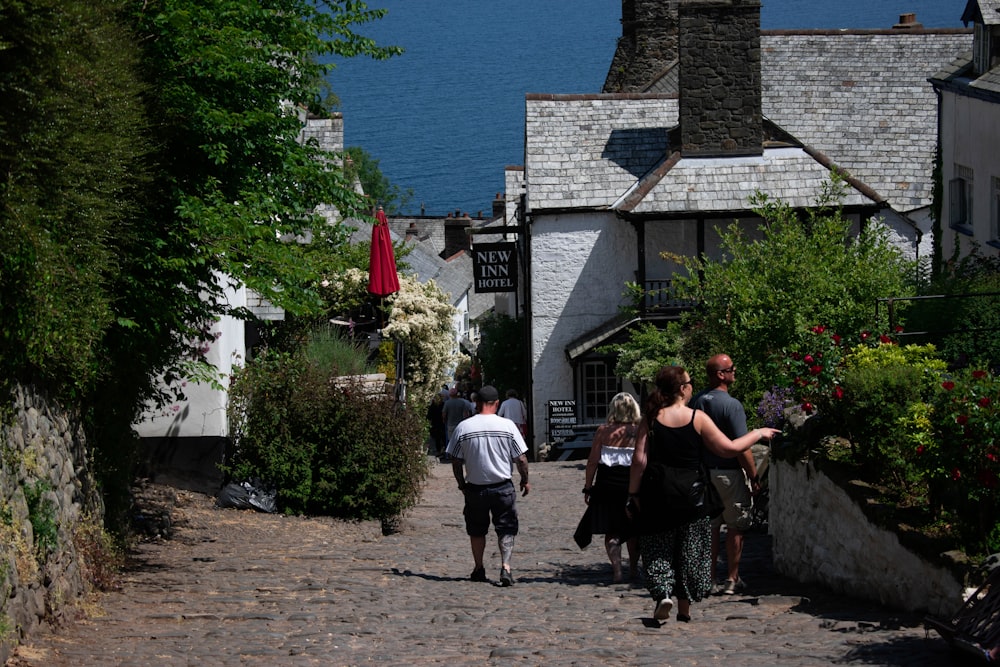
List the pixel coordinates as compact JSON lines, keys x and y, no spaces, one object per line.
{"x":729,"y":415}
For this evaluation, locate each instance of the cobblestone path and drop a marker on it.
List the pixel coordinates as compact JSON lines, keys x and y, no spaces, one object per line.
{"x":244,"y":588}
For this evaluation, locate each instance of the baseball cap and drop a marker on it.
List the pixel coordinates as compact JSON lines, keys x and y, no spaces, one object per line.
{"x":488,"y":394}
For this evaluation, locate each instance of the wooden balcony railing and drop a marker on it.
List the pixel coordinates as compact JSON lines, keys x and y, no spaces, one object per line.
{"x":660,"y":296}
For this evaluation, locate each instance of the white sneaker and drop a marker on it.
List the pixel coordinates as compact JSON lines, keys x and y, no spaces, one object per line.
{"x":663,"y":608}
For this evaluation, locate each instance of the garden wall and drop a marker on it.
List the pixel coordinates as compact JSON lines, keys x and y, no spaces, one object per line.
{"x":46,"y":493}
{"x":820,"y":534}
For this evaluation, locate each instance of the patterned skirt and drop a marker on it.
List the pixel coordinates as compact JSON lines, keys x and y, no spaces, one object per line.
{"x":678,"y":562}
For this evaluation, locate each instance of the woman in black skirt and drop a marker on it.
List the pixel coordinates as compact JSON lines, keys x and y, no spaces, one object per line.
{"x":609,"y":461}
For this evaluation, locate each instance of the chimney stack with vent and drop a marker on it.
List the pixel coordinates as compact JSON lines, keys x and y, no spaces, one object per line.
{"x":720,"y":87}
{"x":907,"y":22}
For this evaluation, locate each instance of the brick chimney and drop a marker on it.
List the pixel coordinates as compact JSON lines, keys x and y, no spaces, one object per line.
{"x":908,"y":22}
{"x":456,"y":236}
{"x":499,"y":207}
{"x":720,"y":88}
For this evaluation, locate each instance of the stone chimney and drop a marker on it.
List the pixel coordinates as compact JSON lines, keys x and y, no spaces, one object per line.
{"x":499,"y":207}
{"x":647,"y":46}
{"x":720,"y":88}
{"x":456,"y":236}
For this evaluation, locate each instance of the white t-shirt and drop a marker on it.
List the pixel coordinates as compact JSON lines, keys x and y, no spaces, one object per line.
{"x":488,"y":445}
{"x":514,"y":410}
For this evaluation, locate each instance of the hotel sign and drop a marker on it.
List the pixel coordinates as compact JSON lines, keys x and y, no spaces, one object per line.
{"x":494,"y":267}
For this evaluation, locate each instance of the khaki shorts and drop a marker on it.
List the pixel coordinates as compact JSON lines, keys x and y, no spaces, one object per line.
{"x":736,"y":497}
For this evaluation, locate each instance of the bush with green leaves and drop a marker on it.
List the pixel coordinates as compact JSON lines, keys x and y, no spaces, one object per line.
{"x":648,"y":349}
{"x":962,"y":463}
{"x":501,"y":352}
{"x":762,"y":296}
{"x":327,"y":444}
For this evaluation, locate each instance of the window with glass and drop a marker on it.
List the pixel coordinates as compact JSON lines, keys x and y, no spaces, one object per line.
{"x":960,"y":199}
{"x":600,"y":384}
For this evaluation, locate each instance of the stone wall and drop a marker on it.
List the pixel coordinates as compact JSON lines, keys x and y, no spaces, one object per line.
{"x":821,"y":535}
{"x":45,"y":484}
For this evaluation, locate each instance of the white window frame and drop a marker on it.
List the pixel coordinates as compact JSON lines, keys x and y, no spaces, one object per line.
{"x":598,"y":385}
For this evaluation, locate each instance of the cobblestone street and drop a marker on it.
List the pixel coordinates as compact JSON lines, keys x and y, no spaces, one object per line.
{"x":244,"y":588}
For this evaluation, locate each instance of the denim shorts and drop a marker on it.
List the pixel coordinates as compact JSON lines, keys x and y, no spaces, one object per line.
{"x":482,"y":501}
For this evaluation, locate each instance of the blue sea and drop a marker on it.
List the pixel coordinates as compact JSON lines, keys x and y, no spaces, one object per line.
{"x":446,"y":117}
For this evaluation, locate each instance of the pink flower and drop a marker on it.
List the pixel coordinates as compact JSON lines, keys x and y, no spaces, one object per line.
{"x":948,"y":385}
{"x":816,"y":370}
{"x":807,"y":408}
{"x":838,"y":393}
{"x":818,"y":329}
{"x":808,"y":359}
{"x":864,"y":335}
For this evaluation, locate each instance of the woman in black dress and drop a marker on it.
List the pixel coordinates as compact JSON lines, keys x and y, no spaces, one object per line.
{"x":608,"y":464}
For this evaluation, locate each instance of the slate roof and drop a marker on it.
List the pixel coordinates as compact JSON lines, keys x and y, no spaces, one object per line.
{"x":863,"y":100}
{"x":859,"y":98}
{"x":989,"y":11}
{"x":723,"y":184}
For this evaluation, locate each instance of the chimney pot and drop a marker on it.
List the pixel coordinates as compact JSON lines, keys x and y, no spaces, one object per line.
{"x":907,"y":21}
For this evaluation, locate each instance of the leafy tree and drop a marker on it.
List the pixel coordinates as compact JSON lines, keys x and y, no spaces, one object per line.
{"x":501,"y":352}
{"x":376,"y":185}
{"x":764,"y":295}
{"x":647,"y":350}
{"x":71,"y":164}
{"x":151,"y":157}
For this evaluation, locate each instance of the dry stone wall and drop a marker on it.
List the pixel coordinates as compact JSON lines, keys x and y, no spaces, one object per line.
{"x":821,"y":535}
{"x":46,"y":492}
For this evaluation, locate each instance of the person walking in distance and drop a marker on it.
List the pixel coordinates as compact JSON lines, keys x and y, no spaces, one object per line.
{"x":454,"y":410}
{"x":513,"y":409}
{"x":731,"y":476}
{"x":483,"y":450}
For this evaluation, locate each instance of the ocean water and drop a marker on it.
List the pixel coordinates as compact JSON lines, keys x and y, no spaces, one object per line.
{"x":447,"y":116}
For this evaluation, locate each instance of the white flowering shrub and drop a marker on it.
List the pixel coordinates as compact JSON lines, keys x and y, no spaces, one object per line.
{"x":419,"y":316}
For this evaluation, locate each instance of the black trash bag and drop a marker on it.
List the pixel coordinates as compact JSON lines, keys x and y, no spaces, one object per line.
{"x":250,"y":495}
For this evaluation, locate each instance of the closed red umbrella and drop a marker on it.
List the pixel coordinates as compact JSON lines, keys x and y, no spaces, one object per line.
{"x":382,"y":277}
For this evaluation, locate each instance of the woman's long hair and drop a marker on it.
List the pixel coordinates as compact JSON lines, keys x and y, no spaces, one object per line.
{"x":669,"y":381}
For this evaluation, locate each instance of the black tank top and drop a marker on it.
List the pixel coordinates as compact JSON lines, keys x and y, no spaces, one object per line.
{"x":679,"y":447}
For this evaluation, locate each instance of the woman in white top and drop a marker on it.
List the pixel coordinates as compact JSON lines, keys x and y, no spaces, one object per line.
{"x":609,"y":461}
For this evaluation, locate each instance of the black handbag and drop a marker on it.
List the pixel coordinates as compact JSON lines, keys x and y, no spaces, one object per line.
{"x":686,"y":493}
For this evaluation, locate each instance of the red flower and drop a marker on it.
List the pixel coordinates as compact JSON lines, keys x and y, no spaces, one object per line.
{"x":808,"y":359}
{"x":948,"y":385}
{"x":984,"y":401}
{"x":807,"y":408}
{"x":796,"y":356}
{"x":816,"y":370}
{"x":921,"y":449}
{"x":838,"y":393}
{"x":818,"y":329}
{"x":979,"y":375}
{"x":885,"y":340}
{"x":956,"y":474}
{"x":898,"y":329}
{"x":836,"y":339}
{"x":992,"y":457}
{"x":864,"y":335}
{"x":962,"y":419}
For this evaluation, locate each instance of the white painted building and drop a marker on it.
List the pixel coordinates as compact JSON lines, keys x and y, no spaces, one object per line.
{"x":969,"y":93}
{"x":611,"y":180}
